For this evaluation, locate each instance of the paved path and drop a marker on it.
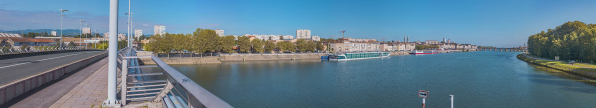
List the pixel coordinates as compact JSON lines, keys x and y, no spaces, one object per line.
{"x":90,"y":92}
{"x":50,"y":93}
{"x":17,"y":68}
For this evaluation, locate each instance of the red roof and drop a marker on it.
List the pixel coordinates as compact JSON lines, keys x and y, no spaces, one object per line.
{"x":20,"y":40}
{"x":41,"y":40}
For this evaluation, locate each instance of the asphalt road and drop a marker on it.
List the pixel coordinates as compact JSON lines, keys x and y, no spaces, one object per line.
{"x":17,"y":68}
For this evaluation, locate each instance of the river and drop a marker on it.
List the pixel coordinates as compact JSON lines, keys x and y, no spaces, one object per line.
{"x":476,"y":79}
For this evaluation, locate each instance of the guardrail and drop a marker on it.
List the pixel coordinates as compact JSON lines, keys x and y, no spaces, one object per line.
{"x":15,"y":88}
{"x":176,"y":91}
{"x":30,"y":49}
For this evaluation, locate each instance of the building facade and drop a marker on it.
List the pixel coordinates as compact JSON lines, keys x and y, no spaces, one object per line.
{"x":53,"y":33}
{"x":159,"y":29}
{"x":316,"y":38}
{"x":106,"y":35}
{"x":138,"y":33}
{"x":86,"y":30}
{"x":219,"y":32}
{"x":303,"y":34}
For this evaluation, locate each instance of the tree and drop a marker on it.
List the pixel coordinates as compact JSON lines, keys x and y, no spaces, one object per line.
{"x":301,"y":45}
{"x":71,"y":44}
{"x":269,"y":46}
{"x":45,"y":33}
{"x":257,"y":45}
{"x":244,"y":44}
{"x":320,"y":46}
{"x":227,"y":42}
{"x":311,"y":46}
{"x":281,"y":37}
{"x":281,"y":46}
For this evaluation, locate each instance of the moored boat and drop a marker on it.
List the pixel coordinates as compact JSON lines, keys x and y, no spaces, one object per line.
{"x":358,"y":55}
{"x":424,"y":52}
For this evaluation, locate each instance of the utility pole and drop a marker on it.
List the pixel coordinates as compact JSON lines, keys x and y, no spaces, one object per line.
{"x":81,"y":33}
{"x":61,"y":14}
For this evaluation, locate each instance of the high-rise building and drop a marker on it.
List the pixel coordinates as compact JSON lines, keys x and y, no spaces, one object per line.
{"x":138,"y":33}
{"x":106,"y":35}
{"x":219,"y":32}
{"x":53,"y":33}
{"x":159,"y":29}
{"x":303,"y":34}
{"x":86,"y":30}
{"x":444,"y":40}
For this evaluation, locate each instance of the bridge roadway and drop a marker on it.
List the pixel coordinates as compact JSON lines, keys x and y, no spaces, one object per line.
{"x":17,"y":68}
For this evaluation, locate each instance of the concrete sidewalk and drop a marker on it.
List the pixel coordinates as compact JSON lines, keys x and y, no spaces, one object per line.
{"x":90,"y":93}
{"x":50,"y":93}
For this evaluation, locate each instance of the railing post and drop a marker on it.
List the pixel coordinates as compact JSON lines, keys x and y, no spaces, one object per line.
{"x":123,"y":83}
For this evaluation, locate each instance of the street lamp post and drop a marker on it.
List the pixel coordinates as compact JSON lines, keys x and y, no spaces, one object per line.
{"x":112,"y":54}
{"x":81,"y":33}
{"x":129,"y":38}
{"x":61,"y":14}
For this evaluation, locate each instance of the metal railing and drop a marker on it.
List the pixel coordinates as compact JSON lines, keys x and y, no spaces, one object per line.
{"x":30,"y":49}
{"x":174,"y":91}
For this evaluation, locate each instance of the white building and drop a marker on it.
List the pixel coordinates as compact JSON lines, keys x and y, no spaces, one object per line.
{"x":288,"y":37}
{"x":219,"y":32}
{"x":121,"y":35}
{"x":86,"y":30}
{"x":138,"y":33}
{"x":302,"y":34}
{"x":316,"y":38}
{"x":159,"y":29}
{"x":53,"y":33}
{"x":106,"y":35}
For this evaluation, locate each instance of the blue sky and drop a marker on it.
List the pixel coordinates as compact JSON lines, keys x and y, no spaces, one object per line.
{"x":502,"y":23}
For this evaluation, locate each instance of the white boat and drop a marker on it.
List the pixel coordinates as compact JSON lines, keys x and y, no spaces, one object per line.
{"x":358,"y":55}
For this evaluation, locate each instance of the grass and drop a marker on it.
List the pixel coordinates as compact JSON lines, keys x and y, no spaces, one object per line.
{"x":563,"y":66}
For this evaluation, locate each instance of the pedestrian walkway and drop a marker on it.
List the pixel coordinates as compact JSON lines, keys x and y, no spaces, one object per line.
{"x":90,"y":93}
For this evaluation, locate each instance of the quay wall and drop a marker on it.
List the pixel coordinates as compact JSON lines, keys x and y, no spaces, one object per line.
{"x":257,"y":57}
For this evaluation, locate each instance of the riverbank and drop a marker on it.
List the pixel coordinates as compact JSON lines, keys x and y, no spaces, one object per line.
{"x":580,"y":69}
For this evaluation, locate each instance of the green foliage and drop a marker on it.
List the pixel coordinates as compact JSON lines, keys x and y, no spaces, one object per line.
{"x":310,"y":46}
{"x":71,"y":44}
{"x":570,"y":41}
{"x":302,"y":45}
{"x":422,"y":47}
{"x":244,"y":44}
{"x":269,"y":46}
{"x":257,"y":45}
{"x":227,"y":42}
{"x":319,"y":46}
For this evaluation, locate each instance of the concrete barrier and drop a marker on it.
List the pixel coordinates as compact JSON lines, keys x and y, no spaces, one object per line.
{"x":15,"y":88}
{"x":27,"y":54}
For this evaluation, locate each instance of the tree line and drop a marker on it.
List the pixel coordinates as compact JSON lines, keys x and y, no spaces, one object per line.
{"x":570,"y":41}
{"x":206,"y":40}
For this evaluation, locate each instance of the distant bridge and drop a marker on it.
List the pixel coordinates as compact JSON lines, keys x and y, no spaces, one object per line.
{"x":505,"y":50}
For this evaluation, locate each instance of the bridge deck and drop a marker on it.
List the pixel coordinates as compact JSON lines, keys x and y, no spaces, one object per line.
{"x":17,"y":68}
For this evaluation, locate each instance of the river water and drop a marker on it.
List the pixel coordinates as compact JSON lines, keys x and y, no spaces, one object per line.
{"x":477,"y":79}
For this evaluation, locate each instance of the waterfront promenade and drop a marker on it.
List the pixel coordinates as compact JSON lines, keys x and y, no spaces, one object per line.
{"x":581,"y":69}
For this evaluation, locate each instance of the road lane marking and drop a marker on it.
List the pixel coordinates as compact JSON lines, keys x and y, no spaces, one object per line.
{"x":40,"y":60}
